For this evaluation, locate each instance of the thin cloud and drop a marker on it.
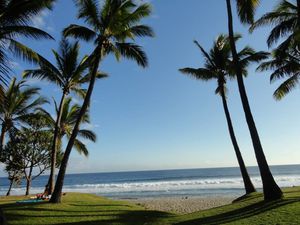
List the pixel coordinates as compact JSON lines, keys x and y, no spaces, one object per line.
{"x":42,"y":21}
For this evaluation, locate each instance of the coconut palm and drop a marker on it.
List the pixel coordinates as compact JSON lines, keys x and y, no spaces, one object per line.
{"x":284,"y":67}
{"x":285,"y":19}
{"x":20,"y":101}
{"x":109,"y":25}
{"x":69,"y":114}
{"x":218,"y":67}
{"x":69,"y":74}
{"x":15,"y":19}
{"x":246,"y":10}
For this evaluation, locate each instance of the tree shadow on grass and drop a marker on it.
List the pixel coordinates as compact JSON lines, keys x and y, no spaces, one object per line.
{"x":123,"y":217}
{"x":244,"y":212}
{"x":29,"y":212}
{"x":128,"y":218}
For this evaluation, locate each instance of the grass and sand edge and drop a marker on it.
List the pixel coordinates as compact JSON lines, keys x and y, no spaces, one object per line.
{"x":90,"y":209}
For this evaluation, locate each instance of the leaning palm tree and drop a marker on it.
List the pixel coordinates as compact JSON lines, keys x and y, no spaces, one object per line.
{"x":15,"y":19}
{"x":20,"y":101}
{"x":109,"y":25}
{"x":283,"y":66}
{"x":69,"y":115}
{"x":285,"y":19}
{"x":218,"y":67}
{"x":246,"y":10}
{"x":69,"y":74}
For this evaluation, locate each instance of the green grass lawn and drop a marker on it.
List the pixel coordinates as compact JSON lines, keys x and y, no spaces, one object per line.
{"x":89,"y":209}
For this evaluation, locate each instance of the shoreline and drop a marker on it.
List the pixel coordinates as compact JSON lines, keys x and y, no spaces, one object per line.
{"x":181,"y":205}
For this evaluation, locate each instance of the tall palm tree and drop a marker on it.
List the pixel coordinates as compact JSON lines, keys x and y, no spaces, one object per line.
{"x":109,"y":25}
{"x":287,"y":66}
{"x":69,"y":115}
{"x":246,"y":10}
{"x":20,"y":101}
{"x":285,"y":19}
{"x":15,"y":19}
{"x":217,"y":67}
{"x":69,"y":74}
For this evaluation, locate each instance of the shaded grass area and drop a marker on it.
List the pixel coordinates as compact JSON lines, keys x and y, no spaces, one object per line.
{"x":89,"y":209}
{"x":78,"y":209}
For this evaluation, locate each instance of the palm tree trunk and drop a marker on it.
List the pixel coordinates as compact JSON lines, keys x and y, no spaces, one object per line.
{"x":56,"y":196}
{"x":298,"y":12}
{"x":54,"y":146}
{"x":10,"y":186}
{"x":270,"y":188}
{"x":2,"y":137}
{"x":249,"y":187}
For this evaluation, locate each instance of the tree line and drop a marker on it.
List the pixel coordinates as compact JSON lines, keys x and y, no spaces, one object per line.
{"x":32,"y":139}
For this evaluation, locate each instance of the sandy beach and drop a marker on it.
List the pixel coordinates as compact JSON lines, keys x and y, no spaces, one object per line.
{"x":182,"y":205}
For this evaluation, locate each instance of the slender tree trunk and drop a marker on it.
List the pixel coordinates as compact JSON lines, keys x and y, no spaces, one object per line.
{"x":270,"y":188}
{"x":29,"y":179}
{"x":298,"y":12}
{"x":249,"y":187}
{"x":2,"y":137}
{"x":10,"y":186}
{"x":54,"y":146}
{"x":56,"y":196}
{"x":28,"y":185}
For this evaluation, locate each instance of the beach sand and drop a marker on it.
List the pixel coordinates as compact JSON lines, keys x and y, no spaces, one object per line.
{"x":182,"y":205}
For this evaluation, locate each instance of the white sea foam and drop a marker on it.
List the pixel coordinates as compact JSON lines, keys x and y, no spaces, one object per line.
{"x":199,"y":185}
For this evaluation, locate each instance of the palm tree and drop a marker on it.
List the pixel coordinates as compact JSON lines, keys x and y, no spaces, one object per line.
{"x":69,"y":114}
{"x":109,"y":26}
{"x":246,"y":10}
{"x":69,"y":74}
{"x":285,"y":19}
{"x":218,"y":67}
{"x":15,"y":19}
{"x":20,"y":101}
{"x":284,"y":67}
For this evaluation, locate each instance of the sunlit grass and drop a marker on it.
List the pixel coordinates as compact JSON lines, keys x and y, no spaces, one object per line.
{"x":91,"y":210}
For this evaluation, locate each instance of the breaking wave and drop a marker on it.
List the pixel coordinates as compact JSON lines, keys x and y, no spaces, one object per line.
{"x":173,"y":187}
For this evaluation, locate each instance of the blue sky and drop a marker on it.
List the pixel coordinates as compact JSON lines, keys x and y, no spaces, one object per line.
{"x":157,"y":118}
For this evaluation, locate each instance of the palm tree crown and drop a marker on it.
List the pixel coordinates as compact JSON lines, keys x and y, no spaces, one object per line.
{"x":15,"y":19}
{"x":285,"y":19}
{"x":284,"y":67}
{"x":219,"y":65}
{"x":69,"y":73}
{"x":68,"y":119}
{"x":110,"y":26}
{"x":20,"y":102}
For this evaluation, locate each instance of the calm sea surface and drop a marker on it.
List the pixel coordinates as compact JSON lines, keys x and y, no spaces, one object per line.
{"x":187,"y":182}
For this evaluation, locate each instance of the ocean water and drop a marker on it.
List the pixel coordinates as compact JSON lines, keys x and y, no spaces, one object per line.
{"x":164,"y":183}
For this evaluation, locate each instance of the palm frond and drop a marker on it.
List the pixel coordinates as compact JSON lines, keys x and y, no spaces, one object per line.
{"x":87,"y":134}
{"x":26,"y":31}
{"x":81,"y":148}
{"x":21,"y":51}
{"x":201,"y":73}
{"x":246,"y":10}
{"x":286,"y":87}
{"x":79,"y":32}
{"x":134,"y":52}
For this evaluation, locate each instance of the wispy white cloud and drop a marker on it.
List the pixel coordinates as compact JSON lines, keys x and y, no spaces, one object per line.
{"x":39,"y":20}
{"x":42,"y":21}
{"x":89,"y":126}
